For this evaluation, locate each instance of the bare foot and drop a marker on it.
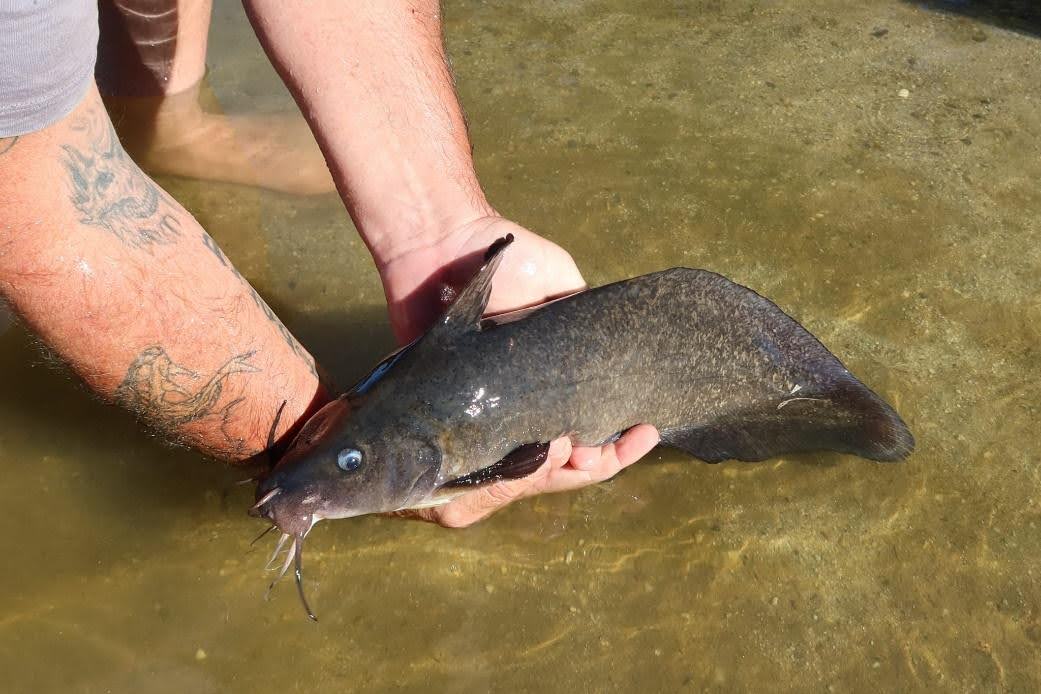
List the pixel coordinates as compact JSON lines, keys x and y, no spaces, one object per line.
{"x":175,"y":134}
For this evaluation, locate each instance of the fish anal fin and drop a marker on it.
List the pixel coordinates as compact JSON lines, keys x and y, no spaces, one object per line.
{"x":846,"y":417}
{"x":521,"y":462}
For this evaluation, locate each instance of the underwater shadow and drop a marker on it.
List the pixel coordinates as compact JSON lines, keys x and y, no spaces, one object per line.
{"x":1022,"y":16}
{"x":346,"y":344}
{"x":66,"y":447}
{"x":131,"y":472}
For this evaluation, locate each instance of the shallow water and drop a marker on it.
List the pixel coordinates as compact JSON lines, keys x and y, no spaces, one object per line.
{"x":767,"y":141}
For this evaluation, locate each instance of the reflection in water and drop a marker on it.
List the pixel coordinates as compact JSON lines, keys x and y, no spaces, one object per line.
{"x":768,"y":144}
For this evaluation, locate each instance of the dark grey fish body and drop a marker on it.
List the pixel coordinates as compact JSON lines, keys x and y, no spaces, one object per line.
{"x":719,"y":370}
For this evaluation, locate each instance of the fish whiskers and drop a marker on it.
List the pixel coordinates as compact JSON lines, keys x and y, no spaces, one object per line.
{"x":294,"y":557}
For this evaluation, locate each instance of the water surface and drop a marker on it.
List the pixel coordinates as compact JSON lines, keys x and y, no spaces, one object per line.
{"x":768,"y":141}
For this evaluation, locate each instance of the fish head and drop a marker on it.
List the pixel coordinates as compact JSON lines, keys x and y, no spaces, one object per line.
{"x":342,"y":465}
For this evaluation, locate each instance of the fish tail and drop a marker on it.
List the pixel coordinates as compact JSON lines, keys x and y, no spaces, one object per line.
{"x":860,"y":422}
{"x":843,"y":415}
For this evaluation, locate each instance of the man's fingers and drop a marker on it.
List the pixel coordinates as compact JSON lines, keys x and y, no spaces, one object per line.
{"x":598,"y":464}
{"x":482,"y":502}
{"x":636,"y":443}
{"x":633,"y":445}
{"x":560,"y":451}
{"x":559,"y":473}
{"x":586,"y":457}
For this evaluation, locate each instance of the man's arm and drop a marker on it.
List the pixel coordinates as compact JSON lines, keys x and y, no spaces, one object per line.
{"x":373,"y":81}
{"x":133,"y":294}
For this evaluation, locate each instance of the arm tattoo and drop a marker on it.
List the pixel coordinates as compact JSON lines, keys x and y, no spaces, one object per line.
{"x":110,"y":192}
{"x":167,"y":395}
{"x":293,"y":343}
{"x":6,"y":143}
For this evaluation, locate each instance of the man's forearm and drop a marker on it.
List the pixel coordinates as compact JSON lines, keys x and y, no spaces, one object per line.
{"x":127,"y":287}
{"x":373,"y":81}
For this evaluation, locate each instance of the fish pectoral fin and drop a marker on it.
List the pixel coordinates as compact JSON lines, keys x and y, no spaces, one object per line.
{"x":521,"y":462}
{"x":845,"y":417}
{"x":464,"y":315}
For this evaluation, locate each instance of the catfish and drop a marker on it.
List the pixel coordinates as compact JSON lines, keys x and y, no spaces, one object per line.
{"x":722,"y":372}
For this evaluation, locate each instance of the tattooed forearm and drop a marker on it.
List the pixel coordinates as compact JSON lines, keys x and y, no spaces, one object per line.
{"x":6,"y":143}
{"x":168,"y":396}
{"x":293,"y":343}
{"x":108,"y":270}
{"x":110,"y":192}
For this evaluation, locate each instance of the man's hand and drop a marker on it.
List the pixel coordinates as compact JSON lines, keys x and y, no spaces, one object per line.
{"x":419,"y":285}
{"x":421,"y":281}
{"x":565,"y":469}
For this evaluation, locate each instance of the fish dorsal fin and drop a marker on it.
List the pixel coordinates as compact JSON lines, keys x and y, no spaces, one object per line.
{"x":464,"y":315}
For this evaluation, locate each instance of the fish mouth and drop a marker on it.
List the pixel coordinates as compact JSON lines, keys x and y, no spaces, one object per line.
{"x":293,"y":525}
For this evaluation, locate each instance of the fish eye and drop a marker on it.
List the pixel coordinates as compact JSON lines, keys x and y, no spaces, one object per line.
{"x":349,"y":459}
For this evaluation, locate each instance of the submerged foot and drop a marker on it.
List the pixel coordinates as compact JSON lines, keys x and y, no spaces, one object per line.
{"x":176,"y":135}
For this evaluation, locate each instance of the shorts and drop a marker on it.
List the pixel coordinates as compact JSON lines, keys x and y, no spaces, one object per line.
{"x":47,"y":53}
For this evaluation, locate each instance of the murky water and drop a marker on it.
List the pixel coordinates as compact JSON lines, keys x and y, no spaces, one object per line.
{"x":769,"y":141}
